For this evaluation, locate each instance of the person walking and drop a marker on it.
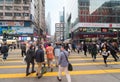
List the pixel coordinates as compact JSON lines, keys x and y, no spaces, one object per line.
{"x":63,"y":65}
{"x":4,"y":51}
{"x":57,"y":53}
{"x":93,"y":51}
{"x":30,"y":59}
{"x":39,"y":57}
{"x":50,"y":56}
{"x":23,"y":49}
{"x":105,"y":51}
{"x":113,"y":50}
{"x":85,"y":48}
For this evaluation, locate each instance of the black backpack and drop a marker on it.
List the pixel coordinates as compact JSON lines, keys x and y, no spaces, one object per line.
{"x":4,"y":49}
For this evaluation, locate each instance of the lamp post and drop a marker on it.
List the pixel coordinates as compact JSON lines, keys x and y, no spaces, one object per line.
{"x":63,"y":21}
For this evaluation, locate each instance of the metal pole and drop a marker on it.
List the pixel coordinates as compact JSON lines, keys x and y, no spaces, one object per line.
{"x":63,"y":21}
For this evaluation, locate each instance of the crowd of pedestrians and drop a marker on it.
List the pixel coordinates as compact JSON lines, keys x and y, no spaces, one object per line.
{"x":59,"y":53}
{"x":105,"y":49}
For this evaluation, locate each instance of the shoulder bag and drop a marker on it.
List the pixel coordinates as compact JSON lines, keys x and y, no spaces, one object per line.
{"x":70,"y":67}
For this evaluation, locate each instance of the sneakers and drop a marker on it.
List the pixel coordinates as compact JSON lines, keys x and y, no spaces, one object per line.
{"x":59,"y":79}
{"x":39,"y":77}
{"x":27,"y":74}
{"x":33,"y":71}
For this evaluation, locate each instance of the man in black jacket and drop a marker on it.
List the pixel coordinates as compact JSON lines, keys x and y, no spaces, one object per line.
{"x":30,"y":59}
{"x":39,"y":57}
{"x":4,"y":51}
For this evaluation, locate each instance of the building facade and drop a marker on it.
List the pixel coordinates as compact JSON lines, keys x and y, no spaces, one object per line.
{"x":39,"y":16}
{"x":96,"y":19}
{"x":15,"y":18}
{"x":59,"y":28}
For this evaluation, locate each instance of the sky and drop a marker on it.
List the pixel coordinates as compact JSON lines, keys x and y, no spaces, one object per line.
{"x":53,"y":7}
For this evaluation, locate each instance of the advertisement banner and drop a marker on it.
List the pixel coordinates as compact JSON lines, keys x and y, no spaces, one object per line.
{"x":16,"y":30}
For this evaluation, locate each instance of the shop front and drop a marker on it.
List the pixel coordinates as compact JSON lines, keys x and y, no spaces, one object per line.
{"x":95,"y":31}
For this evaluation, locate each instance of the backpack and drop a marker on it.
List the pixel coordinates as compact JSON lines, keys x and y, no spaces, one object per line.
{"x":4,"y":49}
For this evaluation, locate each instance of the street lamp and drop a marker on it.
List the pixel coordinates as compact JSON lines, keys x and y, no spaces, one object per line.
{"x":63,"y":21}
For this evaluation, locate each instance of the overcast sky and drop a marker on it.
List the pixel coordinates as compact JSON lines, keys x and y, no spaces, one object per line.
{"x":54,"y":7}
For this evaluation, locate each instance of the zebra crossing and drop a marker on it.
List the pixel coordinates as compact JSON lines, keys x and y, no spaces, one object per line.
{"x":14,"y":67}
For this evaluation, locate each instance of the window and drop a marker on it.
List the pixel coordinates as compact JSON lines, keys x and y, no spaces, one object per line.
{"x":8,"y":8}
{"x":17,"y":14}
{"x":1,"y":7}
{"x":8,"y":14}
{"x":1,"y":14}
{"x":25,"y":8}
{"x":17,"y":1}
{"x":25,"y":14}
{"x":25,"y":1}
{"x":17,"y":8}
{"x":9,"y":1}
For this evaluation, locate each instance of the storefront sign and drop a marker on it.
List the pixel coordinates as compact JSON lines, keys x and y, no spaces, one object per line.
{"x":104,"y":25}
{"x":11,"y":23}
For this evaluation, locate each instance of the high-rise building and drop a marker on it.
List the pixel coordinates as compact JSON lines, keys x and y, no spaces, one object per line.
{"x":15,"y":18}
{"x":15,"y":9}
{"x":39,"y":16}
{"x":92,"y":19}
{"x":59,"y":28}
{"x":48,"y":24}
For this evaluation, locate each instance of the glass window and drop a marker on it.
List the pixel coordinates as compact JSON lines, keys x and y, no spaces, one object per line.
{"x":8,"y":14}
{"x":17,"y":14}
{"x":8,"y":1}
{"x":25,"y":1}
{"x":25,"y":14}
{"x":8,"y":8}
{"x":1,"y":1}
{"x":25,"y":8}
{"x":17,"y":1}
{"x":1,"y":7}
{"x":17,"y":8}
{"x":1,"y":14}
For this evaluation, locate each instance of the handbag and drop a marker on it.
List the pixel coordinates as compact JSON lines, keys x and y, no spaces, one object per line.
{"x":70,"y":67}
{"x":44,"y":69}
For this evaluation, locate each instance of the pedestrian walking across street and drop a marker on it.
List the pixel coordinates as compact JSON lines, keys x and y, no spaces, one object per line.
{"x":39,"y":57}
{"x":30,"y":60}
{"x":63,"y":65}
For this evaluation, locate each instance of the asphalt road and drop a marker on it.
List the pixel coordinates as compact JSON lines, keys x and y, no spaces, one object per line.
{"x":85,"y":70}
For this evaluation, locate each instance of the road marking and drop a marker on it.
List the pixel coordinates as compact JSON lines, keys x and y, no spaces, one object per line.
{"x":74,"y":64}
{"x":48,"y":74}
{"x":76,"y":59}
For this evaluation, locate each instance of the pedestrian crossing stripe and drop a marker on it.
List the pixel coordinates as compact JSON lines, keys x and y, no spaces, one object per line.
{"x":48,"y":74}
{"x":74,"y":64}
{"x":19,"y":60}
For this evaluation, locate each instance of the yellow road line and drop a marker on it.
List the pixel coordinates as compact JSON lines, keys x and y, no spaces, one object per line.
{"x":18,"y":60}
{"x":48,"y":74}
{"x":74,"y":64}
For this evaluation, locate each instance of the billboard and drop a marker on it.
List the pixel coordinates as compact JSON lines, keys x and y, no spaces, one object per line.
{"x":16,"y":30}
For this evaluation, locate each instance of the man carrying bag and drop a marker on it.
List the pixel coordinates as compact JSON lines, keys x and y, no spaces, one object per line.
{"x":63,"y":64}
